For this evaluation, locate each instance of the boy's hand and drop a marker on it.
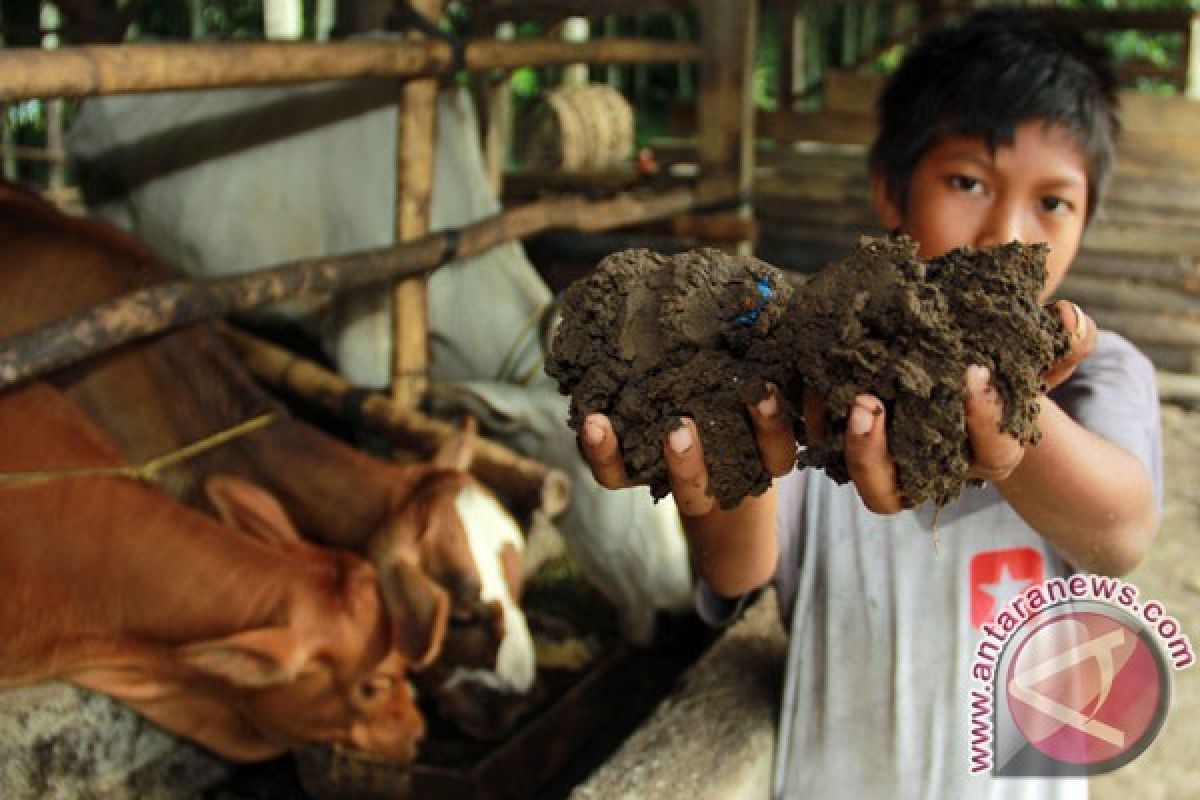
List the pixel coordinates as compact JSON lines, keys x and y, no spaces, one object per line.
{"x":997,"y":453}
{"x":867,"y":458}
{"x":684,"y":455}
{"x":1083,"y":342}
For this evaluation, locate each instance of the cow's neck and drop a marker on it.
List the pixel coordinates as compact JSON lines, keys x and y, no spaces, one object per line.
{"x":102,"y":595}
{"x":188,"y":386}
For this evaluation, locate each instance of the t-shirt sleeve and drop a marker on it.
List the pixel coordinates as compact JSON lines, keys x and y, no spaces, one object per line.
{"x":1114,"y":393}
{"x":721,"y":611}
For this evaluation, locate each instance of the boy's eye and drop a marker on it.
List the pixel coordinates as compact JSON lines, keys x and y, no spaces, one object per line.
{"x":965,"y":183}
{"x":1057,"y":205}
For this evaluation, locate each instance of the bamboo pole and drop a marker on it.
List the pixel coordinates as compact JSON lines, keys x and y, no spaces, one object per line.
{"x":155,"y":309}
{"x":416,"y":120}
{"x":117,"y":69}
{"x":527,"y":483}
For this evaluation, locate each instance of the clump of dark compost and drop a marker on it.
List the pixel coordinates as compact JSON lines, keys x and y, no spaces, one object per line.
{"x":883,"y":321}
{"x":647,"y":338}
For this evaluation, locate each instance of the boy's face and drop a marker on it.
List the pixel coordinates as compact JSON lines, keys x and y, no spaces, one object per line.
{"x":963,"y":194}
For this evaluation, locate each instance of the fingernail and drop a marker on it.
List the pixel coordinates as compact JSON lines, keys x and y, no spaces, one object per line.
{"x":977,"y":378}
{"x":1081,"y":323}
{"x":593,"y":432}
{"x":861,"y":420}
{"x":680,"y":439}
{"x":769,"y":405}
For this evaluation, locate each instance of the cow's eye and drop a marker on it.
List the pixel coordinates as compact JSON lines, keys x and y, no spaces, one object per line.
{"x":376,"y":686}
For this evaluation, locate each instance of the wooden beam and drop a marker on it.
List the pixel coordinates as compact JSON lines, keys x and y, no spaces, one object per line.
{"x":117,"y":69}
{"x":1192,"y":58}
{"x":159,"y":308}
{"x":725,"y":107}
{"x":1158,"y":20}
{"x":529,"y":484}
{"x":416,"y":120}
{"x":1179,"y":388}
{"x":538,"y":9}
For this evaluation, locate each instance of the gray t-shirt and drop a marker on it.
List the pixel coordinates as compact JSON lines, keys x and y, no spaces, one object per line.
{"x":877,"y":692}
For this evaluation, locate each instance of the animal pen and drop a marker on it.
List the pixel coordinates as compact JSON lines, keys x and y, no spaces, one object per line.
{"x":799,"y":200}
{"x":543,"y":746}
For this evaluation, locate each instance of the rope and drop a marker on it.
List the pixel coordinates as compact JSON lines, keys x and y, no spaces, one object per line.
{"x":540,"y":318}
{"x":149,"y":471}
{"x":405,"y":18}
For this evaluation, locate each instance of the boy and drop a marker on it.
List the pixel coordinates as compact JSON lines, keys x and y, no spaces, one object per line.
{"x":992,"y":131}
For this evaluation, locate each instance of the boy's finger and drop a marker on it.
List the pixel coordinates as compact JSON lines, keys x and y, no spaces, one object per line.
{"x":997,"y":454}
{"x":867,"y":459}
{"x":686,"y":470}
{"x":1083,"y":334}
{"x":602,"y":451}
{"x":773,"y":431}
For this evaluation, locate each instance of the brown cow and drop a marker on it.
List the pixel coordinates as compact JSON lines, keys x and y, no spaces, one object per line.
{"x":248,"y":643}
{"x":177,"y":389}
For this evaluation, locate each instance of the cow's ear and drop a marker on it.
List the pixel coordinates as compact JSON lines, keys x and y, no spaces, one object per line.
{"x":254,"y":659}
{"x":419,"y":610}
{"x":458,"y":450}
{"x":251,"y":509}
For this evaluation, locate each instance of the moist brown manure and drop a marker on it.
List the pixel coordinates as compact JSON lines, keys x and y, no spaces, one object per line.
{"x":647,"y":338}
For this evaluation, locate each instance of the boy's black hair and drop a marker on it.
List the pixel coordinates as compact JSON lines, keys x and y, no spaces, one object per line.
{"x":998,"y":69}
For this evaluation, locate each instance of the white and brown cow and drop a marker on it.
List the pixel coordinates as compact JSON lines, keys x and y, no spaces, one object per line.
{"x":229,"y":180}
{"x":175,"y":390}
{"x":235,"y":634}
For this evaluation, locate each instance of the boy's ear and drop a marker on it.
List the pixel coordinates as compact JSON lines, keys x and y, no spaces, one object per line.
{"x":889,"y":214}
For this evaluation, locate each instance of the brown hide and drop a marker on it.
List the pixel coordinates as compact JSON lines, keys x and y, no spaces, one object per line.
{"x":173,"y":390}
{"x":247,"y":641}
{"x":168,"y":392}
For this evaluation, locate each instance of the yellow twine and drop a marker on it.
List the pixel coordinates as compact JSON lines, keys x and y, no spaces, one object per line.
{"x":148,"y":471}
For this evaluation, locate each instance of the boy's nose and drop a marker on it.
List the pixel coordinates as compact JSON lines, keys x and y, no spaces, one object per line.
{"x":1001,"y":225}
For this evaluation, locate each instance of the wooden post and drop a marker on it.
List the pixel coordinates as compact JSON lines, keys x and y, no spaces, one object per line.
{"x":789,"y":48}
{"x":725,"y":107}
{"x":498,"y":96}
{"x":850,"y":17}
{"x":324,"y":18}
{"x":196,"y":15}
{"x":612,"y":72}
{"x":283,"y":20}
{"x":8,"y":161}
{"x":53,"y":109}
{"x":868,"y":36}
{"x":415,"y":134}
{"x":1192,"y":54}
{"x":576,"y":29}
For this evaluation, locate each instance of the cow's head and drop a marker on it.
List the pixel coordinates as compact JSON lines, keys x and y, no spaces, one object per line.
{"x":470,"y":545}
{"x":334,"y":669}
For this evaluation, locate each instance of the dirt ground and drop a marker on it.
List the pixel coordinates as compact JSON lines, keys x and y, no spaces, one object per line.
{"x":1171,"y":574}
